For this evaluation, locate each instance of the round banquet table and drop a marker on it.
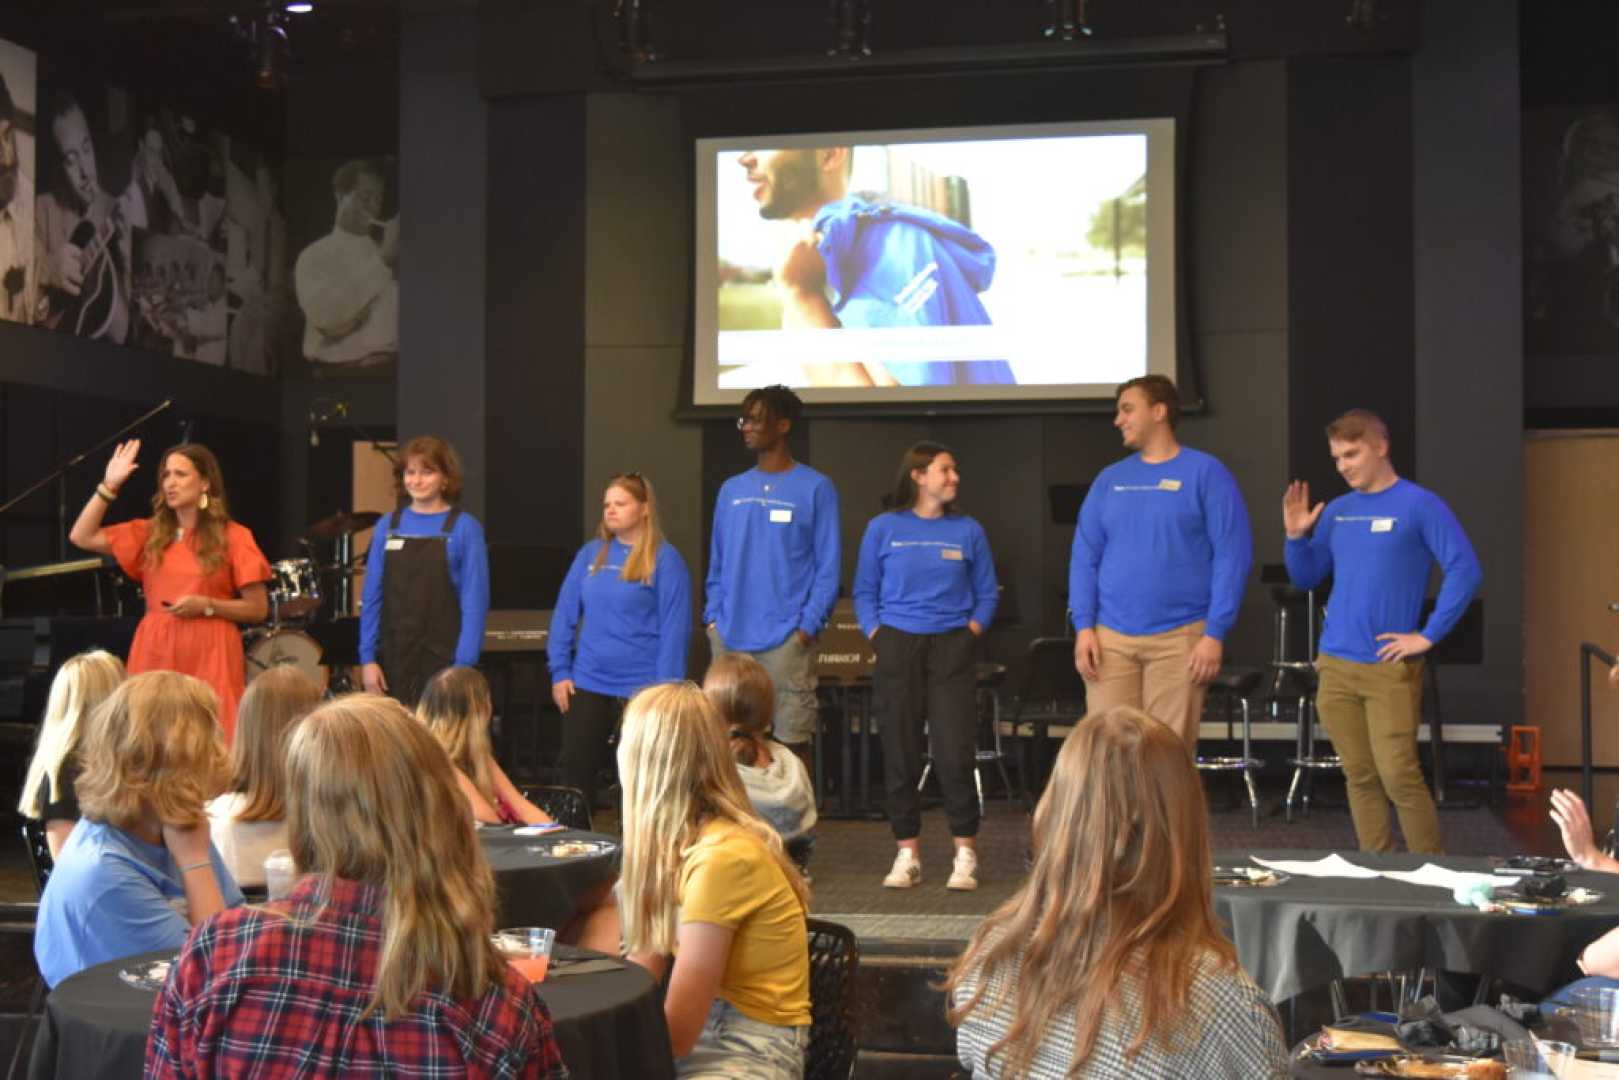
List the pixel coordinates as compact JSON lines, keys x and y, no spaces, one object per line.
{"x":1308,"y":931}
{"x":537,"y":890}
{"x":608,"y":1024}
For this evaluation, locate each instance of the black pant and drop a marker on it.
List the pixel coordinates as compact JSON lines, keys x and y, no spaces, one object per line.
{"x":931,"y":677}
{"x":587,"y":733}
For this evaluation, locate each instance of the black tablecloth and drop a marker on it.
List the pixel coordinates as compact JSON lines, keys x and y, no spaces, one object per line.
{"x":537,"y":890}
{"x":608,"y":1024}
{"x":1308,"y":931}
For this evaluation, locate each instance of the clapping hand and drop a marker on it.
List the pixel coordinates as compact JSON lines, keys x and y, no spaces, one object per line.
{"x":1298,"y":517}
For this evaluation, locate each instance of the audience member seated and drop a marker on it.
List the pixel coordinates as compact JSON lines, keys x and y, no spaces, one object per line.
{"x":1598,"y":961}
{"x":246,"y":822}
{"x":706,"y":880}
{"x":456,"y":708}
{"x":379,"y":962}
{"x":48,"y":793}
{"x":153,"y":758}
{"x":776,"y":780}
{"x":1109,"y":962}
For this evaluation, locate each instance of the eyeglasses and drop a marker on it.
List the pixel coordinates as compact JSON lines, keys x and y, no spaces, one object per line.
{"x":744,"y":422}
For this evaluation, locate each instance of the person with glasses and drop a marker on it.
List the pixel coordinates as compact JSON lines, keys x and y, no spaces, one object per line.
{"x":631,"y":589}
{"x":774,"y":560}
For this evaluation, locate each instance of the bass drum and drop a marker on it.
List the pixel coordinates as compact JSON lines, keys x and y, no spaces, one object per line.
{"x":278,"y":647}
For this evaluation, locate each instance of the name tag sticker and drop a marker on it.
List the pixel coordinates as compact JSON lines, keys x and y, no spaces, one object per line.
{"x":396,"y":543}
{"x":781,"y":517}
{"x":952,"y":554}
{"x":1169,"y":485}
{"x":1382,"y":524}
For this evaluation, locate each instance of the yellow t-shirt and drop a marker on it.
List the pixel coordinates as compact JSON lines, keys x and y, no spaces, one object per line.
{"x":730,"y":880}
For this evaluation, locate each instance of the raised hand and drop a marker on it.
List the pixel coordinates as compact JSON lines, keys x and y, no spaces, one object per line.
{"x":1298,"y":517}
{"x":122,"y":464}
{"x":1574,"y":822}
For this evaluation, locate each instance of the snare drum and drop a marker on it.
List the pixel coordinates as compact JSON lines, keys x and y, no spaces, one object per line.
{"x":295,"y":589}
{"x":273,"y":648}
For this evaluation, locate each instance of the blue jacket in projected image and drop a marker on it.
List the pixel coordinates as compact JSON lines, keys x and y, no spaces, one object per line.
{"x":890,"y":264}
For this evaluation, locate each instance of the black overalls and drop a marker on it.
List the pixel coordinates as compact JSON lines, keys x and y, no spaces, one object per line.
{"x":421,"y":611}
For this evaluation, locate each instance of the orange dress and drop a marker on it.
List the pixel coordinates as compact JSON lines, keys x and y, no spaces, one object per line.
{"x":210,"y":649}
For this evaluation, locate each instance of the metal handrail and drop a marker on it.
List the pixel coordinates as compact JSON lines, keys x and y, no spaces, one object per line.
{"x":1587,"y":651}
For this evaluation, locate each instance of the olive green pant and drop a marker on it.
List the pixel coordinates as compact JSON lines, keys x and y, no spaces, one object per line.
{"x":1371,"y":712}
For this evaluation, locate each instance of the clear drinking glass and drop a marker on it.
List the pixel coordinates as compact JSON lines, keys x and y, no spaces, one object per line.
{"x":279,"y":873}
{"x":528,"y":949}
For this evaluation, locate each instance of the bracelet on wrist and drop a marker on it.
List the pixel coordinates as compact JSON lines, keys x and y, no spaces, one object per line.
{"x":196,"y":866}
{"x":106,"y":493}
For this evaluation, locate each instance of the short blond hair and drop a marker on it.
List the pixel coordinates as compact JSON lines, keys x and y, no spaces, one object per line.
{"x":1357,"y":425}
{"x":154,"y":747}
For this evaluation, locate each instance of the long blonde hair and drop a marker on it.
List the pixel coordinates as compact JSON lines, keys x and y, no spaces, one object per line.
{"x":456,"y":708}
{"x":643,"y":559}
{"x":1120,"y":891}
{"x":678,"y":776}
{"x":154,"y":746}
{"x":81,"y":684}
{"x":274,"y":701}
{"x":372,"y":799}
{"x":213,"y":520}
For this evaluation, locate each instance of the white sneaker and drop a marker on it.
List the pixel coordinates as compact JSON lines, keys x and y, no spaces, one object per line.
{"x":906,"y":871}
{"x":964,"y":871}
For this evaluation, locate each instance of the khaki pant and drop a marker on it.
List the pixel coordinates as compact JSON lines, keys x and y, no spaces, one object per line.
{"x":1149,"y":672}
{"x":1371,"y":712}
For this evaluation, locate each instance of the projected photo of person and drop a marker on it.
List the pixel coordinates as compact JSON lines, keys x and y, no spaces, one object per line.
{"x":952,"y":264}
{"x":345,"y":281}
{"x":18,"y":284}
{"x":84,"y":232}
{"x":1571,"y":192}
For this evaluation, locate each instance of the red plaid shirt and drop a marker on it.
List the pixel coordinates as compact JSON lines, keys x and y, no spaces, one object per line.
{"x":257,"y":994}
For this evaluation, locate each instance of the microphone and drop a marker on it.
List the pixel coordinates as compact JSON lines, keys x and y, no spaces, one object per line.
{"x":324,"y":410}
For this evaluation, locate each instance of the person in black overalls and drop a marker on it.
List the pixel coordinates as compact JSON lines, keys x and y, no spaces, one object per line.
{"x":427,"y":579}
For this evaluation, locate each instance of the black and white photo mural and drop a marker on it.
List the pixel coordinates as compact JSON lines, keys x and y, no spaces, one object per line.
{"x":18,"y":83}
{"x":345,"y":275}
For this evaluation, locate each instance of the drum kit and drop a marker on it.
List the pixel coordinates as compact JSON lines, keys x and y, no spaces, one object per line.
{"x":323,"y":648}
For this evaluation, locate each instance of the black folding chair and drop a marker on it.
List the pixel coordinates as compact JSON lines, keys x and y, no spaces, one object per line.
{"x":1051,"y":691}
{"x":834,"y":1025}
{"x":565,"y":804}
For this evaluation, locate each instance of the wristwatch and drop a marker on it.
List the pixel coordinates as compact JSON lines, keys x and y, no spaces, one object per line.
{"x":208,"y":608}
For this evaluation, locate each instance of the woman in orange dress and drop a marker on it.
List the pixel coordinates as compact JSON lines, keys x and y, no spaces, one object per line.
{"x":202,"y":573}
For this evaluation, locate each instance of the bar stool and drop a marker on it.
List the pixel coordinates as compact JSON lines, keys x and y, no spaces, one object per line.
{"x":1305,"y":758}
{"x":1237,"y":684}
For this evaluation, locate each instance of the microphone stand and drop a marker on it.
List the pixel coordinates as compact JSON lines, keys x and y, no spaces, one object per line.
{"x":59,"y":473}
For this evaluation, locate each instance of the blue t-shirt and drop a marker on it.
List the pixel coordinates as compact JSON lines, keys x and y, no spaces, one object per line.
{"x":774,"y":559}
{"x":110,"y":896}
{"x":1160,"y":546}
{"x":924,"y":575}
{"x":1378,"y":550}
{"x":635,"y":633}
{"x":469,"y":576}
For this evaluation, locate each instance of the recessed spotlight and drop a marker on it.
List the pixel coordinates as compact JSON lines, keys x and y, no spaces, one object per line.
{"x":300,"y":9}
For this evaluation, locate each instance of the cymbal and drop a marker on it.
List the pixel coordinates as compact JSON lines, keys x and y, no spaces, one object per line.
{"x":342,"y":524}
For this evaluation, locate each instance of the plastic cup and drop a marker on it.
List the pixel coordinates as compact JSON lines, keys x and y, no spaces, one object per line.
{"x":1527,"y":1058}
{"x":1596,"y":1011}
{"x":279,"y":873}
{"x":527,"y":949}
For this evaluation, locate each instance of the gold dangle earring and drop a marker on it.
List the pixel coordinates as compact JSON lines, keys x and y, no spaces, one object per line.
{"x":202,"y":503}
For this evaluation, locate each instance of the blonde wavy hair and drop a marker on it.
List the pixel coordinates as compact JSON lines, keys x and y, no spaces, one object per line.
{"x":81,"y":684}
{"x":643,"y":559}
{"x":154,"y":746}
{"x":455,"y":706}
{"x":1120,"y":892}
{"x":275,"y":701}
{"x":678,"y":775}
{"x":372,"y":799}
{"x":213,"y":521}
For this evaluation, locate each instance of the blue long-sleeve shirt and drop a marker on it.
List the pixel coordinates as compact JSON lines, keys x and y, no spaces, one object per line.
{"x":635,"y":632}
{"x":1378,"y":549}
{"x":924,"y":575}
{"x":774,"y":560}
{"x":469,"y":575}
{"x":1160,"y":546}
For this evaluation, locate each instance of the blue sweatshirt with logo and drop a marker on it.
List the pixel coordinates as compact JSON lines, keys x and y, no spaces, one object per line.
{"x":774,"y":559}
{"x":1160,"y":546}
{"x":889,"y":264}
{"x":469,"y":577}
{"x":924,"y":575}
{"x":1378,"y":549}
{"x":635,"y":632}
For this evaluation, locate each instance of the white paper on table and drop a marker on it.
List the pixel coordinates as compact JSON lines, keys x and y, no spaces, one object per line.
{"x":1442,"y":878}
{"x":1579,"y":1069}
{"x":1334,"y":865}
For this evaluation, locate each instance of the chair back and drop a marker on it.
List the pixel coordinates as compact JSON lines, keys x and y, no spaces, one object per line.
{"x":39,"y":852}
{"x":565,"y":804}
{"x":1050,"y":678}
{"x":834,"y":957}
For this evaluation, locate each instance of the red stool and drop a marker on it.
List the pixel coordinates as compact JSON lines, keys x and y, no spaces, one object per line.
{"x":1523,"y":759}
